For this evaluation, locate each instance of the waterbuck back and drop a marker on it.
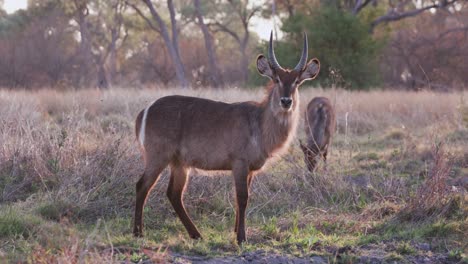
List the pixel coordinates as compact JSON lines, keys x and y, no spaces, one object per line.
{"x":319,"y":127}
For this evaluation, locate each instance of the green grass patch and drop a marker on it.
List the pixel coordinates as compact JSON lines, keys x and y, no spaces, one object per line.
{"x":457,"y":255}
{"x":394,"y":257}
{"x":396,"y":230}
{"x":391,"y":139}
{"x":460,"y":135}
{"x":368,"y":156}
{"x":270,"y":228}
{"x":464,"y":113}
{"x":14,"y":224}
{"x":368,"y":239}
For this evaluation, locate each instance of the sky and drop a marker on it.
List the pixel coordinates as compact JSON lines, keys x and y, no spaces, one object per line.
{"x":262,"y":27}
{"x":11,"y":6}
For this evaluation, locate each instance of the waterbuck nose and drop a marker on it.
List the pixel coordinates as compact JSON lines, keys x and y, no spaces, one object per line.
{"x":286,"y":102}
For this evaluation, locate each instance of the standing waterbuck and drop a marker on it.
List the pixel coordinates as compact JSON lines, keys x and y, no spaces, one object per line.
{"x":185,"y":132}
{"x":319,"y":126}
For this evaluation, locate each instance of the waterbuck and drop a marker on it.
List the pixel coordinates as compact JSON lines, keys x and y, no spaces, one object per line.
{"x":185,"y":132}
{"x":319,"y":126}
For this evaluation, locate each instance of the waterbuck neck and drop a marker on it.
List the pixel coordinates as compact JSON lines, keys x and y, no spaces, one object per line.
{"x":278,"y":127}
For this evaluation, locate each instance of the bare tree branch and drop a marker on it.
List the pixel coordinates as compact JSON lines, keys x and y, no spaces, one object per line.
{"x":147,"y":20}
{"x":175,"y":38}
{"x":225,"y":29}
{"x":253,"y":12}
{"x":215,"y":74}
{"x":395,"y":14}
{"x":360,"y":5}
{"x":171,"y":44}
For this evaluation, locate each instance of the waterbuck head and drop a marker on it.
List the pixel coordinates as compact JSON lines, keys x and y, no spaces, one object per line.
{"x":285,"y":81}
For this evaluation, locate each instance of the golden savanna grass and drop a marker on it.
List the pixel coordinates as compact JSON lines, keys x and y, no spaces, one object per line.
{"x":69,"y":162}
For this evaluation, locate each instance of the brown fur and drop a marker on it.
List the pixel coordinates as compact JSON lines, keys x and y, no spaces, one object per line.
{"x":185,"y":132}
{"x":319,"y":127}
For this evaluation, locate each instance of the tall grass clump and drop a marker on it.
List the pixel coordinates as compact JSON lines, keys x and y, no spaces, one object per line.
{"x":434,"y":198}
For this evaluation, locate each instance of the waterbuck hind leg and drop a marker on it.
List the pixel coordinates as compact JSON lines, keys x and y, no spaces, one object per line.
{"x":175,"y":193}
{"x":310,"y":155}
{"x":311,"y":161}
{"x":249,"y":182}
{"x":241,"y":173}
{"x":324,"y":156}
{"x":143,"y":187}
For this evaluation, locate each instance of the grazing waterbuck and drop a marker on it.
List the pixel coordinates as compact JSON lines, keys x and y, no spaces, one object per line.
{"x":185,"y":132}
{"x":319,"y":126}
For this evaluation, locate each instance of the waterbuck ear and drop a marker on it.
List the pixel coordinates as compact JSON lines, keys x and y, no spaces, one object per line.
{"x":264,"y":68}
{"x":310,"y":71}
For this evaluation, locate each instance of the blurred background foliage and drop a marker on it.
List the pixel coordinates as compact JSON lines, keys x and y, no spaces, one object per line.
{"x":362,"y":44}
{"x":343,"y":44}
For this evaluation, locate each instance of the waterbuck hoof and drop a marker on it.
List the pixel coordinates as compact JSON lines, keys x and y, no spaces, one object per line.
{"x":241,"y":240}
{"x":195,"y":235}
{"x":137,"y":233}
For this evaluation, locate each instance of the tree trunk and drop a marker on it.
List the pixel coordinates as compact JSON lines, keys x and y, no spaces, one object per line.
{"x":171,"y":46}
{"x":103,"y":78}
{"x":244,"y":64}
{"x":175,"y":35}
{"x":113,"y":56}
{"x":86,"y":59}
{"x":215,"y":74}
{"x":243,"y":50}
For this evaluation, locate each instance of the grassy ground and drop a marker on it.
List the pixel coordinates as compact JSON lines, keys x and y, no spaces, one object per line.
{"x":395,"y":187}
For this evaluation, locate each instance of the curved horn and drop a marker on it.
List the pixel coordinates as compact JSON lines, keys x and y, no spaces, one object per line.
{"x":271,"y":54}
{"x":303,"y":61}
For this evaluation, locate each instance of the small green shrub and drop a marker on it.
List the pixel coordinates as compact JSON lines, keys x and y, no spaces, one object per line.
{"x":404,"y":248}
{"x":395,"y":134}
{"x":455,"y":255}
{"x":271,"y":229}
{"x":56,"y":210}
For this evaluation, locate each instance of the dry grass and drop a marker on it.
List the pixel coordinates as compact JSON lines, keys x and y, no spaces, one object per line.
{"x":69,"y":159}
{"x":434,"y":198}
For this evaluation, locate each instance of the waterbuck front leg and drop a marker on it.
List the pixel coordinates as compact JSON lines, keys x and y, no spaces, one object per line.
{"x":241,"y":173}
{"x":175,"y":193}
{"x":249,"y":182}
